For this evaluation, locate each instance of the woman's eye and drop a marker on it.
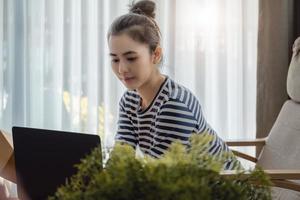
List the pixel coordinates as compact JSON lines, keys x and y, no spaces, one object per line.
{"x":114,"y":60}
{"x":131,"y":59}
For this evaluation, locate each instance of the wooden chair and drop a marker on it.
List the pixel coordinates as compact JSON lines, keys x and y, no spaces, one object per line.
{"x":7,"y":164}
{"x":280,"y":151}
{"x":7,"y":161}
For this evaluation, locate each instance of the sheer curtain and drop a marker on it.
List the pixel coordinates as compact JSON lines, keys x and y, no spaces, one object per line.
{"x":55,"y":71}
{"x":210,"y":47}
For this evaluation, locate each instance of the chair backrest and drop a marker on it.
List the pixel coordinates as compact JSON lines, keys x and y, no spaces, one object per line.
{"x":282,"y":149}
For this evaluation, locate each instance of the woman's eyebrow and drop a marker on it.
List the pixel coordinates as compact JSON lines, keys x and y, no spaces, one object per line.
{"x":112,"y":54}
{"x":124,"y":54}
{"x":128,"y":53}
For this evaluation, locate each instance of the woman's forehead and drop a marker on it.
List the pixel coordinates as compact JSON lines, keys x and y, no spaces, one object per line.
{"x":121,"y":44}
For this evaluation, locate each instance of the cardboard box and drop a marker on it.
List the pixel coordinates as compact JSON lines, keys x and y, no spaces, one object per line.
{"x":7,"y":161}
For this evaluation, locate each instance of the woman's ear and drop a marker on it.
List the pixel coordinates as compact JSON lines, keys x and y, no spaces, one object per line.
{"x":157,"y":54}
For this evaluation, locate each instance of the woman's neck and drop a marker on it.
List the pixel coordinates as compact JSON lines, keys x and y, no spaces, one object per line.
{"x":148,"y":90}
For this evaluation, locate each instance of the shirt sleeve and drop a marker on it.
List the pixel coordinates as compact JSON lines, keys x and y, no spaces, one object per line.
{"x":175,"y":122}
{"x":125,"y":132}
{"x":216,"y":147}
{"x":178,"y":120}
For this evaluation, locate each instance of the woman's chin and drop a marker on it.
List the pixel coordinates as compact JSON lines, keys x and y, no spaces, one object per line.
{"x":130,"y":86}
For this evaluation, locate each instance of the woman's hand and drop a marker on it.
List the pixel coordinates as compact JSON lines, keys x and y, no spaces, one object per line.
{"x":4,"y":193}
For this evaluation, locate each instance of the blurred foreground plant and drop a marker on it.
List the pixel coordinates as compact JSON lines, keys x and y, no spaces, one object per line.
{"x":180,"y":174}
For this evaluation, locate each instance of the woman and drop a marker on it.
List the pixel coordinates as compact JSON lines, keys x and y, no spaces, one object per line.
{"x":155,"y":110}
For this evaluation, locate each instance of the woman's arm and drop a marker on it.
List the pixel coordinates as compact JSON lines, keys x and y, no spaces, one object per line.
{"x":125,"y":133}
{"x":178,"y":120}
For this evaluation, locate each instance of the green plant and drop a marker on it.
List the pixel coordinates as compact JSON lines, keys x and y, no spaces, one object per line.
{"x":179,"y":175}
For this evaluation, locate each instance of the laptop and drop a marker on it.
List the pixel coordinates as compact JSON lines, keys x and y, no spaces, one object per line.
{"x":44,"y":159}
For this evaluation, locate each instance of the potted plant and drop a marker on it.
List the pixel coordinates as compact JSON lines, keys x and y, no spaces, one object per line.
{"x":181,"y":174}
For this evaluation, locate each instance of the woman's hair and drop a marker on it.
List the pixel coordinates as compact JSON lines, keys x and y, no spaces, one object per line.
{"x":139,"y":24}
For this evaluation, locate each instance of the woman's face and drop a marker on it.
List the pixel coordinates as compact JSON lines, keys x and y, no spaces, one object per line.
{"x":131,"y":61}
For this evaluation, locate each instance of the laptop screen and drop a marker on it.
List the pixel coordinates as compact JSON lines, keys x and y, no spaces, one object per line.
{"x":45,"y":158}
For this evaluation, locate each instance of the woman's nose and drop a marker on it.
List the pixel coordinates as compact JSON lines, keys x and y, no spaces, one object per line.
{"x":123,"y":68}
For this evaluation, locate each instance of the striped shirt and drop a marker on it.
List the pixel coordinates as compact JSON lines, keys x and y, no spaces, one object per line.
{"x":173,"y":115}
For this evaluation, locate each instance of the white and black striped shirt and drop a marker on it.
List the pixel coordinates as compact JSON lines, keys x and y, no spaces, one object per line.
{"x":174,"y":114}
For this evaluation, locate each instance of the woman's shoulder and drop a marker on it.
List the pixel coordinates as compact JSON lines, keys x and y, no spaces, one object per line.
{"x":180,"y":93}
{"x":130,"y":94}
{"x":130,"y":97}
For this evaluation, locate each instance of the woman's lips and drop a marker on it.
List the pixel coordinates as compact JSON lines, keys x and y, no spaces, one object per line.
{"x":128,"y":79}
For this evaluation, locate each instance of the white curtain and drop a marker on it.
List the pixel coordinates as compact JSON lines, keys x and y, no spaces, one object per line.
{"x":55,"y":70}
{"x":210,"y":47}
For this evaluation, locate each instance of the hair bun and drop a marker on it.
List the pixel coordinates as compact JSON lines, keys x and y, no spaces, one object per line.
{"x":143,"y":7}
